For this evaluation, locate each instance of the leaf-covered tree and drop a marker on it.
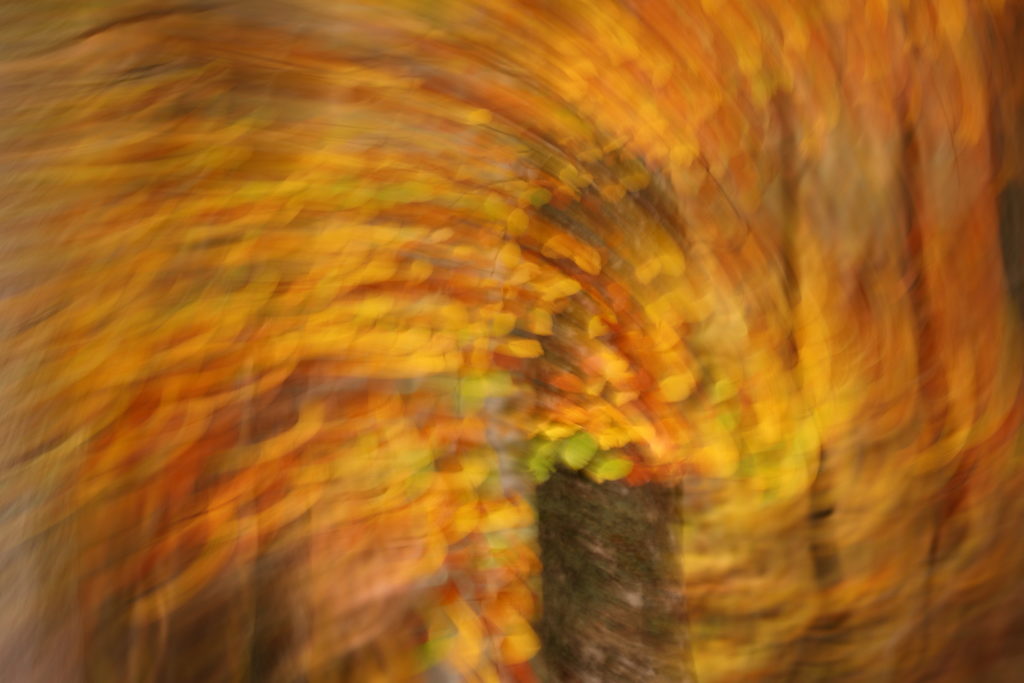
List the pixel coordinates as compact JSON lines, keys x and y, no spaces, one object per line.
{"x":313,"y":310}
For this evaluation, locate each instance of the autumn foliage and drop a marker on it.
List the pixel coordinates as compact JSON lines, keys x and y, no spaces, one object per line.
{"x":299,"y":299}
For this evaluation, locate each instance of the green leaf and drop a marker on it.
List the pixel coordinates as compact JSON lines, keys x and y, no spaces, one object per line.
{"x":539,"y":197}
{"x":541,"y":462}
{"x":496,"y":542}
{"x":723,"y":390}
{"x":540,"y":469}
{"x":474,"y":390}
{"x":610,"y":469}
{"x":729,"y":419}
{"x":436,"y":649}
{"x":578,"y":450}
{"x":404,"y":193}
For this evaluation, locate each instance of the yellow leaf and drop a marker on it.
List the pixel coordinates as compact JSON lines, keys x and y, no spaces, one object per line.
{"x":467,"y":647}
{"x":538,"y":321}
{"x":465,"y":521}
{"x":648,"y":271}
{"x":503,"y":323}
{"x":664,"y":338}
{"x":479,"y":117}
{"x":434,"y":556}
{"x":522,"y":348}
{"x":419,"y":270}
{"x":719,"y":459}
{"x":475,"y":470}
{"x":613,"y":192}
{"x":510,"y":255}
{"x":567,"y":246}
{"x":519,"y":647}
{"x":507,"y":516}
{"x":536,"y":196}
{"x":570,"y":176}
{"x":560,"y":288}
{"x":442,"y":235}
{"x":637,"y":180}
{"x":454,"y":316}
{"x":596,"y":327}
{"x":621,"y":398}
{"x":558,"y":431}
{"x":673,"y":263}
{"x":677,"y":387}
{"x":495,"y":207}
{"x":518,"y":222}
{"x":377,"y":270}
{"x":683,"y":154}
{"x":375,"y":306}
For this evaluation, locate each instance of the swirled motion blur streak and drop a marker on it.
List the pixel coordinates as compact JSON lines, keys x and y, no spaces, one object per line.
{"x":305,"y":303}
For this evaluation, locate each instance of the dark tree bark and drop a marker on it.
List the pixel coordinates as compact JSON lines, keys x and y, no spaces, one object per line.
{"x":613,"y":605}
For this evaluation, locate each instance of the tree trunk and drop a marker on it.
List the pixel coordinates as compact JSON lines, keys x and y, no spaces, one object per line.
{"x":612,"y":593}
